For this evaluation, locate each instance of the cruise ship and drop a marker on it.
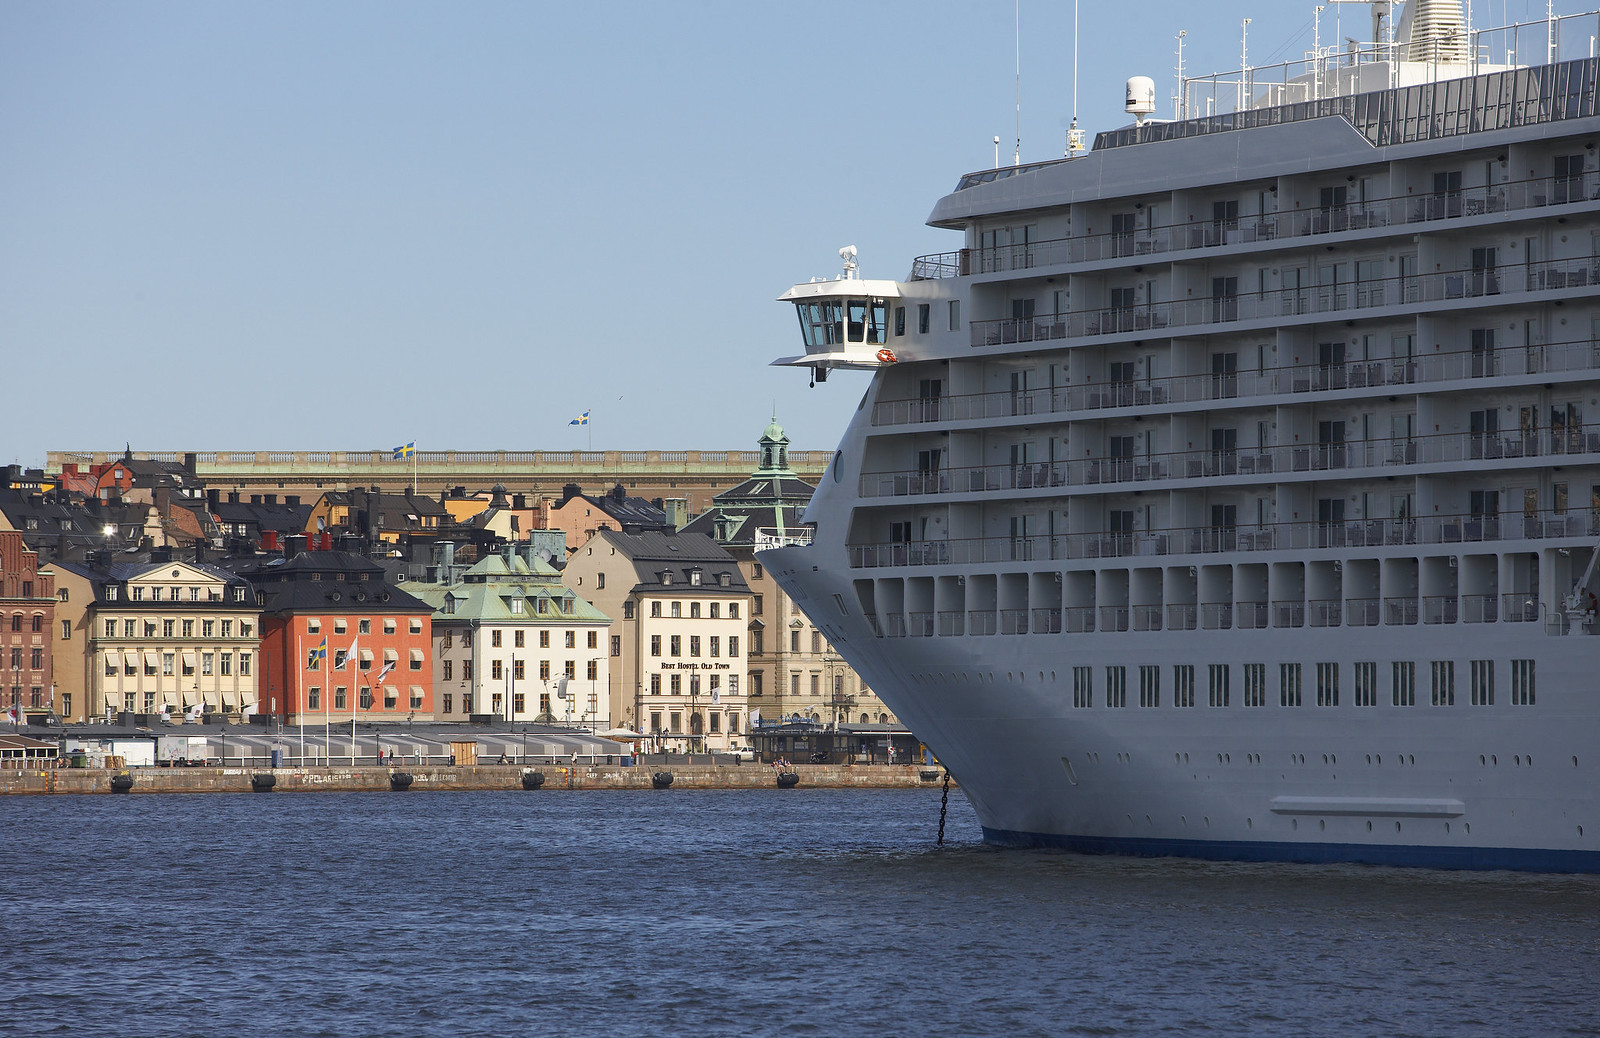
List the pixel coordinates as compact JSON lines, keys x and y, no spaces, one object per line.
{"x":1231,"y":489}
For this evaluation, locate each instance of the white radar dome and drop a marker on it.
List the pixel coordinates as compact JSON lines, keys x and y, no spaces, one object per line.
{"x":1141,"y":97}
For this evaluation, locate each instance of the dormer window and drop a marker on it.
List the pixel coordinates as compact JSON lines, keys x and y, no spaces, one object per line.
{"x":724,"y":580}
{"x":666,"y":577}
{"x":516,"y":605}
{"x":694,"y":577}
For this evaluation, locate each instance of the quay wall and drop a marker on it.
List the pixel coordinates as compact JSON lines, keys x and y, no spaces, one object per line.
{"x":429,"y":777}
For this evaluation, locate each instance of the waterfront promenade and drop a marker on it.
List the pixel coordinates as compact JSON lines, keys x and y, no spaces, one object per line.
{"x":426,"y":777}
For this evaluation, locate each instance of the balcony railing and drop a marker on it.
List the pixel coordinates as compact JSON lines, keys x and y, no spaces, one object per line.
{"x":1205,"y":540}
{"x":1382,"y":454}
{"x":1309,"y":222}
{"x":1276,"y":304}
{"x":1378,"y":376}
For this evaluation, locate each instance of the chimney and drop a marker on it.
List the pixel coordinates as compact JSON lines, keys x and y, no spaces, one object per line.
{"x":199,"y":551}
{"x":618,"y":494}
{"x":327,"y":541}
{"x":296,"y":545}
{"x":269,"y":540}
{"x":189,"y":460}
{"x":213,"y":499}
{"x":292,"y":500}
{"x":519,"y":501}
{"x":233,"y":497}
{"x":161,"y":554}
{"x":271,"y":499}
{"x":570,"y":491}
{"x":255,"y":499}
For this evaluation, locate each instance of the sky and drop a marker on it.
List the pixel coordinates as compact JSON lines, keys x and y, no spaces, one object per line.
{"x":347,"y":225}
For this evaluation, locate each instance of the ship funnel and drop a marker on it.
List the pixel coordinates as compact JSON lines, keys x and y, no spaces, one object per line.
{"x":1141,"y":97}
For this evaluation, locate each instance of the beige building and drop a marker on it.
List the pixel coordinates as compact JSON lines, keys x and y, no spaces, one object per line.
{"x":164,"y":634}
{"x":679,"y":606}
{"x":793,"y":670}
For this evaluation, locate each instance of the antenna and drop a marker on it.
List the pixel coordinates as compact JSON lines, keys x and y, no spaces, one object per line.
{"x":1180,"y":106}
{"x":997,"y":151}
{"x":848,"y":254}
{"x":1244,"y":66}
{"x":1016,"y":159}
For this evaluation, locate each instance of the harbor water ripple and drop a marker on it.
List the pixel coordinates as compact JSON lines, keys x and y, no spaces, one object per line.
{"x":805,"y":912}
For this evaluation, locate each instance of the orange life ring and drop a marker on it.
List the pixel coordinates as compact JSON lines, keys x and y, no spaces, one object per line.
{"x":886,"y":355}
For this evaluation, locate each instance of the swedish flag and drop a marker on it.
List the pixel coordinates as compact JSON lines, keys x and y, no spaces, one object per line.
{"x":318,"y":654}
{"x":405,"y":450}
{"x":582,"y":419}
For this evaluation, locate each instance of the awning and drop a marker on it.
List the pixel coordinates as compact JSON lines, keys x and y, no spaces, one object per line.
{"x":416,"y":655}
{"x":212,"y":697}
{"x":390,"y":692}
{"x":151,"y":659}
{"x":113,"y":657}
{"x":130,"y":657}
{"x":169,"y":698}
{"x":188,"y":659}
{"x":366,"y":655}
{"x":416,"y":691}
{"x":390,"y":656}
{"x":227,"y":703}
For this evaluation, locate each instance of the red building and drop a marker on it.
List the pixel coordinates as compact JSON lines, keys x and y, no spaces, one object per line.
{"x":27,"y":622}
{"x":375,"y":661}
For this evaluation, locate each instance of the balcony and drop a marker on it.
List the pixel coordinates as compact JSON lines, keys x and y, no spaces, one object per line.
{"x":1274,"y":305}
{"x":1378,"y":376}
{"x":1380,"y":455}
{"x":1294,"y":536}
{"x":1281,"y":229}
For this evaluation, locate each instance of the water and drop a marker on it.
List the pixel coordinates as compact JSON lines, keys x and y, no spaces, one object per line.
{"x":823,"y":912}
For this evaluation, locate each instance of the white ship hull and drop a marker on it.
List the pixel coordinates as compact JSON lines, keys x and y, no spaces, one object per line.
{"x":1302,"y":571}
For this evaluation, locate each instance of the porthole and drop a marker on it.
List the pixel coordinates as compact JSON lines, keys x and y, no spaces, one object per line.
{"x":1369,"y":827}
{"x":1574,"y":761}
{"x":1183,"y":820}
{"x":1494,"y":759}
{"x":1467,"y":828}
{"x":1249,"y":823}
{"x":1529,"y":760}
{"x":1322,"y":825}
{"x":1294,"y":823}
{"x":1411,"y":758}
{"x":1333,"y":758}
{"x":1516,"y":760}
{"x":1397,"y":827}
{"x":1369,"y":758}
{"x":1447,"y":827}
{"x":1177,"y":758}
{"x":1580,"y":830}
{"x":1207,"y":820}
{"x":1186,"y":759}
{"x":1380,"y":758}
{"x":1227,"y":758}
{"x":1482,"y":760}
{"x":1148,"y":822}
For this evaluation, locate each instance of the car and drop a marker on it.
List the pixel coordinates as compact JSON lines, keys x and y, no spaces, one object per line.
{"x":743,"y":753}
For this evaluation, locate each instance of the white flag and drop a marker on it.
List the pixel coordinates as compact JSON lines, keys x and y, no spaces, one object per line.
{"x":14,"y":715}
{"x":387,"y":667}
{"x":755,"y":718}
{"x":349,"y":654}
{"x":561,"y":688}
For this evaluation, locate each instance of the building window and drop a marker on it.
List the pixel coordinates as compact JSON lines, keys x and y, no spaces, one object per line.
{"x":1404,"y":692}
{"x":449,"y":703}
{"x":1366,"y":684}
{"x":1082,"y":687}
{"x":655,"y":684}
{"x":1289,"y":684}
{"x":757,"y":639}
{"x":340,"y":700}
{"x":225,"y":664}
{"x":129,"y":627}
{"x":733,"y":645}
{"x":1219,"y":691}
{"x":111,"y":628}
{"x":572,"y":639}
{"x":733,"y":613}
{"x":755,"y":605}
{"x":922,"y":318}
{"x":794,"y":641}
{"x":1183,"y":685}
{"x":544,"y":639}
{"x":1444,"y":682}
{"x":676,"y":645}
{"x":616,"y":645}
{"x":314,"y":698}
{"x":627,"y":609}
{"x":244,"y":664}
{"x":1255,"y":684}
{"x":955,"y":315}
{"x":655,"y":645}
{"x":339,"y":627}
{"x":66,"y":630}
{"x":655,"y":608}
{"x":496,"y":670}
{"x":757,"y":680}
{"x":416,"y":663}
{"x":1117,"y":686}
{"x":694,"y":645}
{"x":208,"y":628}
{"x":1482,"y":674}
{"x":313,"y":626}
{"x":518,"y":638}
{"x":593,"y":640}
{"x":449,"y":669}
{"x":675,"y":684}
{"x":1149,"y":685}
{"x":571,"y":669}
{"x":207,"y":661}
{"x":363,"y":626}
{"x":694,"y":610}
{"x":366,"y":697}
{"x":517,"y":672}
{"x":388,"y":626}
{"x":415,"y":626}
{"x":594,"y":670}
{"x":544,"y":670}
{"x":494,"y":639}
{"x":715,"y":610}
{"x":1327,"y":684}
{"x":1521,"y":683}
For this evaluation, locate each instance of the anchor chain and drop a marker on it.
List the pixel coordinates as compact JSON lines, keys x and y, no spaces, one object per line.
{"x":944,"y":806}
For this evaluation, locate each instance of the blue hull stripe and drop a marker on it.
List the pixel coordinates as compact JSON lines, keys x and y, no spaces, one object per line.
{"x":1522,"y":859}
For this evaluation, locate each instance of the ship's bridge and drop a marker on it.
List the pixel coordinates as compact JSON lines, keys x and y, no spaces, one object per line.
{"x":844,"y":322}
